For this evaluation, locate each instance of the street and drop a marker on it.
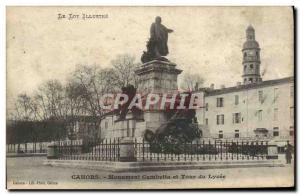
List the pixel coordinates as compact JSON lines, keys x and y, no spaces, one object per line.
{"x":29,"y":172}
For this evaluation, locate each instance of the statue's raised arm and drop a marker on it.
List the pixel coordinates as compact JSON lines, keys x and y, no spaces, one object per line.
{"x":170,"y":30}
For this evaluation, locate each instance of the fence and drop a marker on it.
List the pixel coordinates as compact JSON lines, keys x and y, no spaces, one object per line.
{"x":109,"y":150}
{"x":38,"y":147}
{"x":202,"y":151}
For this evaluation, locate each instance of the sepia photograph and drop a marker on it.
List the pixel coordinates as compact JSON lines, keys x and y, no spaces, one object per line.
{"x":150,"y":97}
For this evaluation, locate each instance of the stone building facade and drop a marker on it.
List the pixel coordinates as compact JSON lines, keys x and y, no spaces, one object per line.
{"x":254,"y":109}
{"x":261,"y":110}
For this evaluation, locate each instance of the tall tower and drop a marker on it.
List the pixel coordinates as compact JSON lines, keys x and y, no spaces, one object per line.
{"x":251,"y":58}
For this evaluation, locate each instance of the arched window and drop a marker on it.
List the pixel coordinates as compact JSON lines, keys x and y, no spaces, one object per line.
{"x":251,"y":66}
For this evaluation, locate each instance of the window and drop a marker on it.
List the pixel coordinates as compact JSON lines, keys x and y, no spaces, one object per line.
{"x":220,"y":102}
{"x":260,"y":96}
{"x":236,"y":118}
{"x":292,"y":91}
{"x":259,"y":114}
{"x":245,"y":67}
{"x":206,"y":106}
{"x":275,"y":114}
{"x":220,"y":134}
{"x":206,"y":121}
{"x":292,"y":113}
{"x":276,"y":94}
{"x":291,"y":130}
{"x":220,"y":119}
{"x":245,"y":80}
{"x":236,"y":134}
{"x":106,"y":124}
{"x":251,"y":80}
{"x":257,"y":54}
{"x":236,"y":99}
{"x":245,"y":54}
{"x":251,"y":66}
{"x":133,"y":128}
{"x":128,"y":130}
{"x":275,"y":131}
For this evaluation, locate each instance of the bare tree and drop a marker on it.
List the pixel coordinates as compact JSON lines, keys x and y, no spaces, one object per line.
{"x":80,"y":96}
{"x":23,"y":108}
{"x":74,"y":101}
{"x":49,"y":98}
{"x":124,"y":66}
{"x":94,"y":82}
{"x":191,"y":81}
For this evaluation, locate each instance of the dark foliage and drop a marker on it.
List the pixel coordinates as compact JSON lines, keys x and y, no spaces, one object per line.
{"x":35,"y":131}
{"x":181,"y":128}
{"x":174,"y":136}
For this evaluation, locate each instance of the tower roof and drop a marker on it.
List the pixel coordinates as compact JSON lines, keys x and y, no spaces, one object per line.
{"x":250,"y":28}
{"x":250,"y":42}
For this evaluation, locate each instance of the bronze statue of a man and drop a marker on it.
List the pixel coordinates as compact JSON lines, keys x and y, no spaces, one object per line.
{"x":157,"y":46}
{"x":159,"y":35}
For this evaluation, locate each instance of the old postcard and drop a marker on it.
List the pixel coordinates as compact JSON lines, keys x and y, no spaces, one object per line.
{"x":150,"y":97}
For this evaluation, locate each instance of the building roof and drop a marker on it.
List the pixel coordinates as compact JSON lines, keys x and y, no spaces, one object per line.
{"x":212,"y":92}
{"x":86,"y":118}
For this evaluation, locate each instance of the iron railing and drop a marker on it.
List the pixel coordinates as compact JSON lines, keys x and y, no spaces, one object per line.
{"x":209,"y":150}
{"x":105,"y":150}
{"x":29,"y":148}
{"x":202,"y":151}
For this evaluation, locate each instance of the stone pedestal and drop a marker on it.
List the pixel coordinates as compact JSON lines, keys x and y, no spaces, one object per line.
{"x":127,"y":150}
{"x":272,"y":151}
{"x":158,"y":77}
{"x":52,"y":151}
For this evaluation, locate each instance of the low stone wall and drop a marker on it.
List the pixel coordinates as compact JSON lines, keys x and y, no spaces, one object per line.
{"x":12,"y":155}
{"x":159,"y":166}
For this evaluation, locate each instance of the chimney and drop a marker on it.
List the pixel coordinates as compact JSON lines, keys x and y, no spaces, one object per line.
{"x":212,"y":86}
{"x":222,"y":86}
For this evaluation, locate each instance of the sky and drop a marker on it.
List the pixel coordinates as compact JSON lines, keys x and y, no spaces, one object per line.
{"x":206,"y":41}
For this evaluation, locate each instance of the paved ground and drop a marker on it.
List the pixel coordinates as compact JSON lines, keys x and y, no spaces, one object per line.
{"x":29,"y":172}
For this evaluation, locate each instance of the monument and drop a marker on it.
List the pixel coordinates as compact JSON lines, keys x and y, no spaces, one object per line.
{"x":157,"y":74}
{"x":157,"y":46}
